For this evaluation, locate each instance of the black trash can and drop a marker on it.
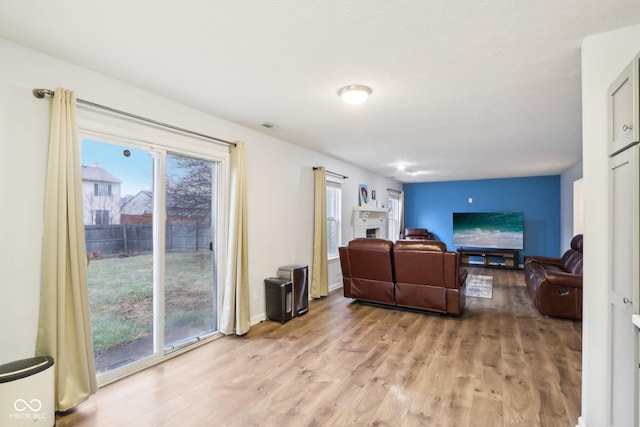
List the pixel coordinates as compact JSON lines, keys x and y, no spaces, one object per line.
{"x":299,"y":276}
{"x":27,"y":393}
{"x":279,"y":299}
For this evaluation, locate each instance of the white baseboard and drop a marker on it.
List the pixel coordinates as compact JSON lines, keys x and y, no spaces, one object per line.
{"x":257,"y":319}
{"x":581,"y":422}
{"x":335,"y":286}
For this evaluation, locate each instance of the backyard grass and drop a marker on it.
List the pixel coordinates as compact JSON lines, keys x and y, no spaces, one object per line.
{"x":121,"y":296}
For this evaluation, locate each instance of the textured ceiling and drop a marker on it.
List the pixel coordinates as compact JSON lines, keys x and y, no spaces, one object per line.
{"x":462,"y":89}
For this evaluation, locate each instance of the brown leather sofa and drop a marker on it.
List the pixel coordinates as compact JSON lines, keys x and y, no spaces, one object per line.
{"x":556,"y":283}
{"x":416,"y":234}
{"x":412,"y":274}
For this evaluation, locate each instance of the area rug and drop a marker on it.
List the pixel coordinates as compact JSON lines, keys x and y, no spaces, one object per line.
{"x":479,"y":286}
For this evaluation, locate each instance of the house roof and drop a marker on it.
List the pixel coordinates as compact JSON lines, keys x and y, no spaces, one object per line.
{"x":141,"y":194}
{"x":96,"y":173}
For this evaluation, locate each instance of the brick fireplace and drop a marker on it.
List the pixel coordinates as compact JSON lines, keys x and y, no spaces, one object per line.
{"x":370,"y":222}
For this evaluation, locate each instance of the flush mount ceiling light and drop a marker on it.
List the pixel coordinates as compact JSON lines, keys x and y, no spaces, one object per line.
{"x":354,"y":94}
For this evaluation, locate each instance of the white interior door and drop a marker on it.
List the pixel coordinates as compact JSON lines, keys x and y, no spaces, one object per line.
{"x":623,"y":288}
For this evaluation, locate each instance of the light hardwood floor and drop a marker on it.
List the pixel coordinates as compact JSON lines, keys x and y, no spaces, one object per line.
{"x":349,"y":364}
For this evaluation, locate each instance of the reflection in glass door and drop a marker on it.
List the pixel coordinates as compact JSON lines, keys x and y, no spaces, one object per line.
{"x":190,"y":306}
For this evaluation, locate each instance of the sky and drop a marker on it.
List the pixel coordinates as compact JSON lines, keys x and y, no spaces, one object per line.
{"x":135,"y":171}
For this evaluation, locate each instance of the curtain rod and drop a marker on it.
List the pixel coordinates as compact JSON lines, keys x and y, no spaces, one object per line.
{"x":394,"y":191}
{"x":337,"y":175}
{"x":41,"y":93}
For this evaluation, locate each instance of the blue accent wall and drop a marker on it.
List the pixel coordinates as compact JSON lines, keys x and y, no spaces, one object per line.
{"x":430,"y":205}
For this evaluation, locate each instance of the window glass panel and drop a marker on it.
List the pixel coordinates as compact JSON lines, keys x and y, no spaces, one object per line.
{"x":103,"y":217}
{"x":190,"y":291}
{"x":393,"y":218}
{"x":101,"y":189}
{"x":334,"y":215}
{"x":120,"y":248}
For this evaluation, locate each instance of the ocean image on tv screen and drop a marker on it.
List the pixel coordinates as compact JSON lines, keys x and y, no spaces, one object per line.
{"x":499,"y":230}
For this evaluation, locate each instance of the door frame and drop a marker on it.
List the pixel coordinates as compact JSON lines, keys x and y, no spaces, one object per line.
{"x":120,"y":131}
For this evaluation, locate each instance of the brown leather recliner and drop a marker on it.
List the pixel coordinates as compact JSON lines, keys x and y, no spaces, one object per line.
{"x":555,"y":284}
{"x":428,"y":277}
{"x":367,"y":270}
{"x":416,"y":234}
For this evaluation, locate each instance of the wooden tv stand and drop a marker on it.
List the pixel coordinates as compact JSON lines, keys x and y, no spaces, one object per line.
{"x":498,"y":258}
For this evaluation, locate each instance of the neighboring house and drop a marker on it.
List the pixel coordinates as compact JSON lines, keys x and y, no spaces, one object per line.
{"x":101,"y":196}
{"x":140,"y":204}
{"x":137,"y":209}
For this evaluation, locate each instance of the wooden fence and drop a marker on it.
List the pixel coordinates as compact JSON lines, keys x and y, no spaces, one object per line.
{"x":130,"y":238}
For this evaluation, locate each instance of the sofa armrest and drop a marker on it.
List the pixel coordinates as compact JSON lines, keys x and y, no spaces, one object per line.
{"x":563,"y":279}
{"x":344,"y":261}
{"x":462,"y":277}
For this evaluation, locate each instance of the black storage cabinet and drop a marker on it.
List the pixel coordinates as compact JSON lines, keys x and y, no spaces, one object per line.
{"x":279,"y":299}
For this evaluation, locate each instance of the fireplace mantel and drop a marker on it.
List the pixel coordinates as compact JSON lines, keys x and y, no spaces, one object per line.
{"x":369,"y":221}
{"x":369,"y":209}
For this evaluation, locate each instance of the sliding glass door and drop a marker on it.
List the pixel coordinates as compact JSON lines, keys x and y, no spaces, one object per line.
{"x":150,"y":220}
{"x":190,"y":309}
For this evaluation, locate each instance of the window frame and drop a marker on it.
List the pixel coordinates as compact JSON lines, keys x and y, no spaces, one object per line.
{"x":101,"y":189}
{"x":100,"y":215}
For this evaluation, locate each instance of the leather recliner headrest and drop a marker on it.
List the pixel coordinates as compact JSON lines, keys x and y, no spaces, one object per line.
{"x":420,"y":245}
{"x":576,"y":243}
{"x":416,"y":232}
{"x":371,"y":244}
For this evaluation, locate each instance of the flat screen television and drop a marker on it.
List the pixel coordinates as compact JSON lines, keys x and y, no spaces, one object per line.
{"x":496,"y":230}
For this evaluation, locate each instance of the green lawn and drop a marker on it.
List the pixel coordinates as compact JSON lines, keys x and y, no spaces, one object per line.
{"x":121,"y":299}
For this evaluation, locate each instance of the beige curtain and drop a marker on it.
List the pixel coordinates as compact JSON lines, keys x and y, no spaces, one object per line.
{"x":401,"y":211}
{"x":319,"y":279}
{"x":235,"y":317}
{"x":64,"y":331}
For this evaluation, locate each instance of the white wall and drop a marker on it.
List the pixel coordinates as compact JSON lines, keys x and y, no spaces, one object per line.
{"x":280,"y":183}
{"x":281,"y":192}
{"x":578,"y":204}
{"x":566,"y":204}
{"x":603,"y":57}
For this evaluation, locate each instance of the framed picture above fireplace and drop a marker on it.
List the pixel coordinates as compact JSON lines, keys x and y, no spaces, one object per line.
{"x":363,"y":195}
